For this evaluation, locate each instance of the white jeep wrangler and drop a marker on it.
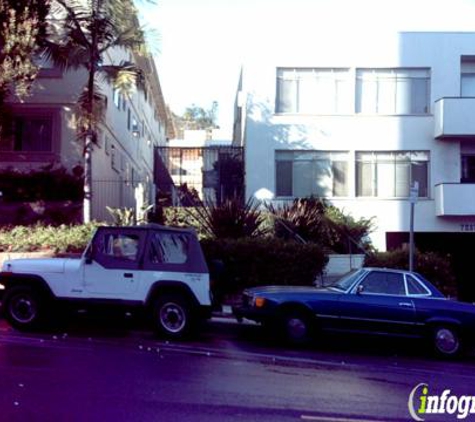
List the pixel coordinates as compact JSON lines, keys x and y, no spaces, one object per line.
{"x":156,"y":268}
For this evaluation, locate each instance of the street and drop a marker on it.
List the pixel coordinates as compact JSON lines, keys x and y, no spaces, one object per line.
{"x":102,"y":372}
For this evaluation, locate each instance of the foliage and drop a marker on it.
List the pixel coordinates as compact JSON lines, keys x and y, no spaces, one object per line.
{"x":303,"y":219}
{"x":21,"y":31}
{"x":314,"y":220}
{"x":62,"y":239}
{"x":22,"y":27}
{"x":346,"y":234}
{"x":437,"y":268}
{"x":231,"y":219}
{"x":49,"y":183}
{"x":262,"y":261}
{"x":122,"y":216}
{"x":196,"y":118}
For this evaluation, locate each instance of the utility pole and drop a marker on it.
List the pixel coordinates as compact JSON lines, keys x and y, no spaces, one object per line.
{"x":414,"y":194}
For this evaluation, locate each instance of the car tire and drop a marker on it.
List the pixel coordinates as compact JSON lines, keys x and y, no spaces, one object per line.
{"x":446,"y":341}
{"x":297,"y":327}
{"x":23,"y":308}
{"x":172,"y":316}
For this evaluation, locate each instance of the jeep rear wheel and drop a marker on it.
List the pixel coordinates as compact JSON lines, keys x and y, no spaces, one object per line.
{"x":23,"y":307}
{"x":171,"y":315}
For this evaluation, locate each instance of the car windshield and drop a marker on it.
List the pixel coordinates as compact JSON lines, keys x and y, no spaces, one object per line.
{"x":347,"y":281}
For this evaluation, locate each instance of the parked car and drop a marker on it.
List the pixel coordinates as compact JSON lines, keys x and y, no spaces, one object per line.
{"x":156,"y":269}
{"x":369,"y":300}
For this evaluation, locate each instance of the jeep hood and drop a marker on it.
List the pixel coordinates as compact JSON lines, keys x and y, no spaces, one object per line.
{"x":35,"y":265}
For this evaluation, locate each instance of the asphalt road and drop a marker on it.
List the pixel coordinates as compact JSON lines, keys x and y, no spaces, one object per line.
{"x":90,"y":371}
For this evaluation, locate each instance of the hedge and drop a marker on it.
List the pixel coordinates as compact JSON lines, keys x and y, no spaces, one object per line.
{"x":261,"y":261}
{"x":437,"y":268}
{"x":59,"y":239}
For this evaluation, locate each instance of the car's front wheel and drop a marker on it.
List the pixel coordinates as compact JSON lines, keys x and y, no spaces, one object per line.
{"x":23,"y":307}
{"x":172,"y":316}
{"x":297,"y":327}
{"x":446,"y":341}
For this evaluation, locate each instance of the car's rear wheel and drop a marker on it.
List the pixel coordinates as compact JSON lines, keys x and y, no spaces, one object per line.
{"x":297,"y":327}
{"x":172,"y":316}
{"x":23,"y":307}
{"x":446,"y":341}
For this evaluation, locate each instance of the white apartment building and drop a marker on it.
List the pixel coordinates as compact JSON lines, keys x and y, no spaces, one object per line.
{"x":123,"y":158}
{"x":358,"y":120}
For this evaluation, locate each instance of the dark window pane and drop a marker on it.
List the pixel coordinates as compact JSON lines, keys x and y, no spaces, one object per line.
{"x":419,"y":171}
{"x":283,"y":178}
{"x":33,"y":134}
{"x":384,"y":283}
{"x":414,"y":287}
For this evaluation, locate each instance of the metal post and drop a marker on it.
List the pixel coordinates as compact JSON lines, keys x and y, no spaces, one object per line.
{"x":414,"y":194}
{"x":411,"y":239}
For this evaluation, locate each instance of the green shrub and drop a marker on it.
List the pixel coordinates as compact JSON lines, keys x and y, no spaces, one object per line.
{"x":59,"y":239}
{"x":262,"y":261}
{"x":437,"y":268}
{"x":314,"y":220}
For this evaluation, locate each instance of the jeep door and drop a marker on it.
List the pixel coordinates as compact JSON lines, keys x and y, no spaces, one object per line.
{"x":115,"y":260}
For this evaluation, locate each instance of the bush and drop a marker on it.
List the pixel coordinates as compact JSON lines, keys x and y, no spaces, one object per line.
{"x":437,"y":268}
{"x":262,"y":261}
{"x":59,"y":239}
{"x":315,"y":220}
{"x":50,"y":183}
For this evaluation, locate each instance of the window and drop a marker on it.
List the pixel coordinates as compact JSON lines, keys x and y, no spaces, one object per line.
{"x":468,"y":168}
{"x":116,"y":97}
{"x":414,"y":287}
{"x":314,"y":91}
{"x":467,"y":76}
{"x":391,"y":174}
{"x":121,"y":246}
{"x":393,"y":91}
{"x":378,"y":282}
{"x":30,"y":134}
{"x":306,"y":173}
{"x":169,"y":248}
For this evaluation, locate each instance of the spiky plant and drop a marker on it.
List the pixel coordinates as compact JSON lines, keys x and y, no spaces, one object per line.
{"x":231,"y":219}
{"x":304,"y":219}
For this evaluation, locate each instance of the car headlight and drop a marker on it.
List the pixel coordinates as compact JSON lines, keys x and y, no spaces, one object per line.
{"x":253,"y":300}
{"x":2,"y":287}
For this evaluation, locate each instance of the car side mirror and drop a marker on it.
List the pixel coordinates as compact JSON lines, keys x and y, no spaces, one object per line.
{"x":359,"y":289}
{"x":88,"y":256}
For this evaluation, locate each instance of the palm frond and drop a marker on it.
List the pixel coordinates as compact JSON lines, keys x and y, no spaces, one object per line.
{"x":125,"y":77}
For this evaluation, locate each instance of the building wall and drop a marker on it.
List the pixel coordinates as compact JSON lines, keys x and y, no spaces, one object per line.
{"x":265,"y":131}
{"x":122,"y":160}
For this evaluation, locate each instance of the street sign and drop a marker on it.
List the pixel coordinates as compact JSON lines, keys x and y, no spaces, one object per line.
{"x":414,"y":193}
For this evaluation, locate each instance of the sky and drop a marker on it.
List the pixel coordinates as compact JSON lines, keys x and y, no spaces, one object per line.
{"x":200,"y":45}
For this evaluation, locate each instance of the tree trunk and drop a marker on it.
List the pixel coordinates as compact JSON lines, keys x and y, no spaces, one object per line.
{"x":87,"y":203}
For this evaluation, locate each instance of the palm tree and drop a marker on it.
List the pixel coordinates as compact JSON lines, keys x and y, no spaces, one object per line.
{"x":81,"y":32}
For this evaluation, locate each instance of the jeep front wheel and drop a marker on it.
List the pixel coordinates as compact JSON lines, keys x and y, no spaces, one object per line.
{"x":171,"y":316}
{"x":22,"y":307}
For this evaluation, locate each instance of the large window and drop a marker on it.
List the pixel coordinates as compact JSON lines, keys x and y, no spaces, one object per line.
{"x":393,"y":91}
{"x":30,"y":134}
{"x":314,"y":91}
{"x":306,"y":173}
{"x":391,"y":174}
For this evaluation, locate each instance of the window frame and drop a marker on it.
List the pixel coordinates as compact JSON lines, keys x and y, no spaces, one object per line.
{"x":313,"y":162}
{"x":359,"y":188}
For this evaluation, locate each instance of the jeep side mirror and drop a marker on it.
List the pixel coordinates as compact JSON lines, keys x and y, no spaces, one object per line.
{"x":359,"y":289}
{"x":88,"y":255}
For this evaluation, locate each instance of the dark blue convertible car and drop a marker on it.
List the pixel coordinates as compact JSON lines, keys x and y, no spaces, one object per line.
{"x":369,"y":300}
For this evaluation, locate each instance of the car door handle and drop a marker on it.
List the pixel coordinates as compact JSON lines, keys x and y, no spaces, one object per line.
{"x":128,"y":275}
{"x":405,"y":304}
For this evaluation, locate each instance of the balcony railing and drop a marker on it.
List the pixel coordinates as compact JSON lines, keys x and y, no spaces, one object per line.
{"x":455,"y":199}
